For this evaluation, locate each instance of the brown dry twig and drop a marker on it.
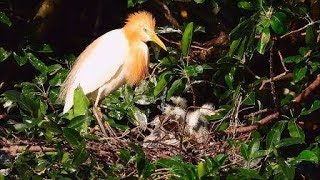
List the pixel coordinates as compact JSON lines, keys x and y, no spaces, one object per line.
{"x":297,"y":100}
{"x":300,"y":29}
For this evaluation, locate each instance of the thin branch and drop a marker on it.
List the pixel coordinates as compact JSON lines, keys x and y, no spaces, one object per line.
{"x":279,"y":77}
{"x":282,"y":62}
{"x":256,"y":113}
{"x":300,"y":29}
{"x":273,"y":87}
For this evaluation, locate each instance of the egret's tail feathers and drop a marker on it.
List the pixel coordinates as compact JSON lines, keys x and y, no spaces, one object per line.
{"x":68,"y":103}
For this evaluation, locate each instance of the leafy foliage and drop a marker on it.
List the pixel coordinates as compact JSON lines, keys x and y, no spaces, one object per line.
{"x":271,"y":58}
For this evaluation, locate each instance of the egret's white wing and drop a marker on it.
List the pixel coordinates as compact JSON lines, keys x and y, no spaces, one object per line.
{"x":96,"y":65}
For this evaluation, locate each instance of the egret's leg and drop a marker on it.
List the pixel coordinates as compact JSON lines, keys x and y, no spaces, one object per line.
{"x":98,"y":115}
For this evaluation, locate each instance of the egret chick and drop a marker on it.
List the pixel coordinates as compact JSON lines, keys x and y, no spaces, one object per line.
{"x":118,"y":57}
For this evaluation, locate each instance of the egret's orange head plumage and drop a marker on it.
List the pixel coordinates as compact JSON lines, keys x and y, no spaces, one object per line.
{"x":135,"y":24}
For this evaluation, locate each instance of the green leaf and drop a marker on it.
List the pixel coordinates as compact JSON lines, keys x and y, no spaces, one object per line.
{"x":295,"y":131}
{"x":248,"y":5}
{"x":193,"y":70}
{"x":263,"y":41}
{"x":242,"y":47}
{"x":162,"y":82}
{"x":12,"y":95}
{"x":244,"y":149}
{"x":273,"y":137}
{"x":254,"y":146}
{"x":250,"y":99}
{"x":73,"y":137}
{"x":21,"y":60}
{"x":287,"y":169}
{"x":4,"y":54}
{"x":229,"y":78}
{"x":51,"y":126}
{"x":186,"y":39}
{"x":303,"y":51}
{"x":139,"y":157}
{"x":20,"y":127}
{"x":199,"y":1}
{"x":277,"y":22}
{"x":5,"y":19}
{"x":233,"y":47}
{"x":124,"y":155}
{"x":245,"y":27}
{"x":59,"y":77}
{"x":294,"y":59}
{"x":148,"y":169}
{"x":80,"y":155}
{"x":177,"y":87}
{"x":315,"y":106}
{"x":299,"y":73}
{"x":44,"y":48}
{"x":81,"y":102}
{"x":310,"y":36}
{"x":289,"y":141}
{"x":36,"y":63}
{"x":307,"y":155}
{"x":201,"y":170}
{"x":79,"y":121}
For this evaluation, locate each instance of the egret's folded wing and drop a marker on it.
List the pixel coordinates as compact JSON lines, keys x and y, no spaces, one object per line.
{"x":96,"y":65}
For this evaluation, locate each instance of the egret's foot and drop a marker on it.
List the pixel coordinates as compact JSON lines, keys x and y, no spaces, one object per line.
{"x":103,"y":126}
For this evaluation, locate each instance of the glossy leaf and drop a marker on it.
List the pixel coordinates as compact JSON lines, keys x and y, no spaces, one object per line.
{"x":80,"y":155}
{"x":250,"y":99}
{"x":72,"y":136}
{"x":315,"y":106}
{"x":5,"y":19}
{"x":36,"y":63}
{"x":201,"y":169}
{"x":289,"y":141}
{"x":162,"y":83}
{"x":263,"y":41}
{"x":273,"y":138}
{"x":307,"y":155}
{"x":177,"y":87}
{"x":4,"y":54}
{"x":287,"y":169}
{"x":21,"y":60}
{"x":248,"y":5}
{"x":199,"y":1}
{"x":186,"y":39}
{"x":299,"y":73}
{"x":81,"y":102}
{"x":310,"y":36}
{"x":295,"y":131}
{"x":193,"y":70}
{"x":79,"y":121}
{"x":278,"y":22}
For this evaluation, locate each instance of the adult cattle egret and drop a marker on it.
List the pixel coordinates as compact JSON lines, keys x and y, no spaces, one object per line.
{"x":118,"y":57}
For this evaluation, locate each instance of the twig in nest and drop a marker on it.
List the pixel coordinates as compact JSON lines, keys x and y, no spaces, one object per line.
{"x":298,"y":100}
{"x":15,"y":149}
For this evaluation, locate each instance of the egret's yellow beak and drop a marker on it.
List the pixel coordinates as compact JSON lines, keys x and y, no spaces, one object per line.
{"x":156,"y":39}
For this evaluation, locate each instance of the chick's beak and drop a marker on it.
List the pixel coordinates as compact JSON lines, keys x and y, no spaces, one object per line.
{"x":156,"y":39}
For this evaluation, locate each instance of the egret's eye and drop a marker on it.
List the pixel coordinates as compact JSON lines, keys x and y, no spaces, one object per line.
{"x":145,"y":29}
